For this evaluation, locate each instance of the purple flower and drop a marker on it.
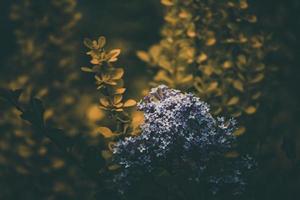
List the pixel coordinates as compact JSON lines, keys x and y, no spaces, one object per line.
{"x":180,"y":136}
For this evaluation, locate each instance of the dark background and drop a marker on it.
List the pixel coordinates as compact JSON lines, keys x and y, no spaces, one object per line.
{"x":135,"y":25}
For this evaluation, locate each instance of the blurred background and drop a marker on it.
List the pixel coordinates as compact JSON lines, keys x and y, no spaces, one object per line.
{"x":42,"y":52}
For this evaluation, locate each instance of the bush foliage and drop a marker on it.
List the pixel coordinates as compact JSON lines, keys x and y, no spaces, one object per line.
{"x":74,"y":140}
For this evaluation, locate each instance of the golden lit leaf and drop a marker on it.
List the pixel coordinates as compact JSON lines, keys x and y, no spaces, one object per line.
{"x":240,"y":131}
{"x":162,"y":76}
{"x":48,"y":114}
{"x":155,"y":51}
{"x":212,"y":86}
{"x":104,"y":101}
{"x":110,"y":82}
{"x":117,"y":98}
{"x":202,"y":57}
{"x":118,"y":105}
{"x":187,"y":79}
{"x":117,"y":74}
{"x":106,"y":132}
{"x":101,"y":41}
{"x":165,"y":64}
{"x":58,"y":163}
{"x":256,"y":43}
{"x":167,"y":2}
{"x":120,"y":90}
{"x":243,"y":38}
{"x":129,"y":103}
{"x":233,"y":101}
{"x":238,"y":85}
{"x":113,"y":55}
{"x":243,"y":4}
{"x":95,"y":61}
{"x":227,"y":64}
{"x":143,"y":55}
{"x":191,"y":32}
{"x":184,"y":14}
{"x":250,"y":110}
{"x":137,"y":119}
{"x":94,"y":113}
{"x":211,"y":41}
{"x":208,"y":70}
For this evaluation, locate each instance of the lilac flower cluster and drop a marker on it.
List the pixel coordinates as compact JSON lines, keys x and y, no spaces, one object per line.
{"x":181,"y":136}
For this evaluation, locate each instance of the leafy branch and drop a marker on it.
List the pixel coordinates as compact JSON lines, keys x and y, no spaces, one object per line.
{"x":110,"y":84}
